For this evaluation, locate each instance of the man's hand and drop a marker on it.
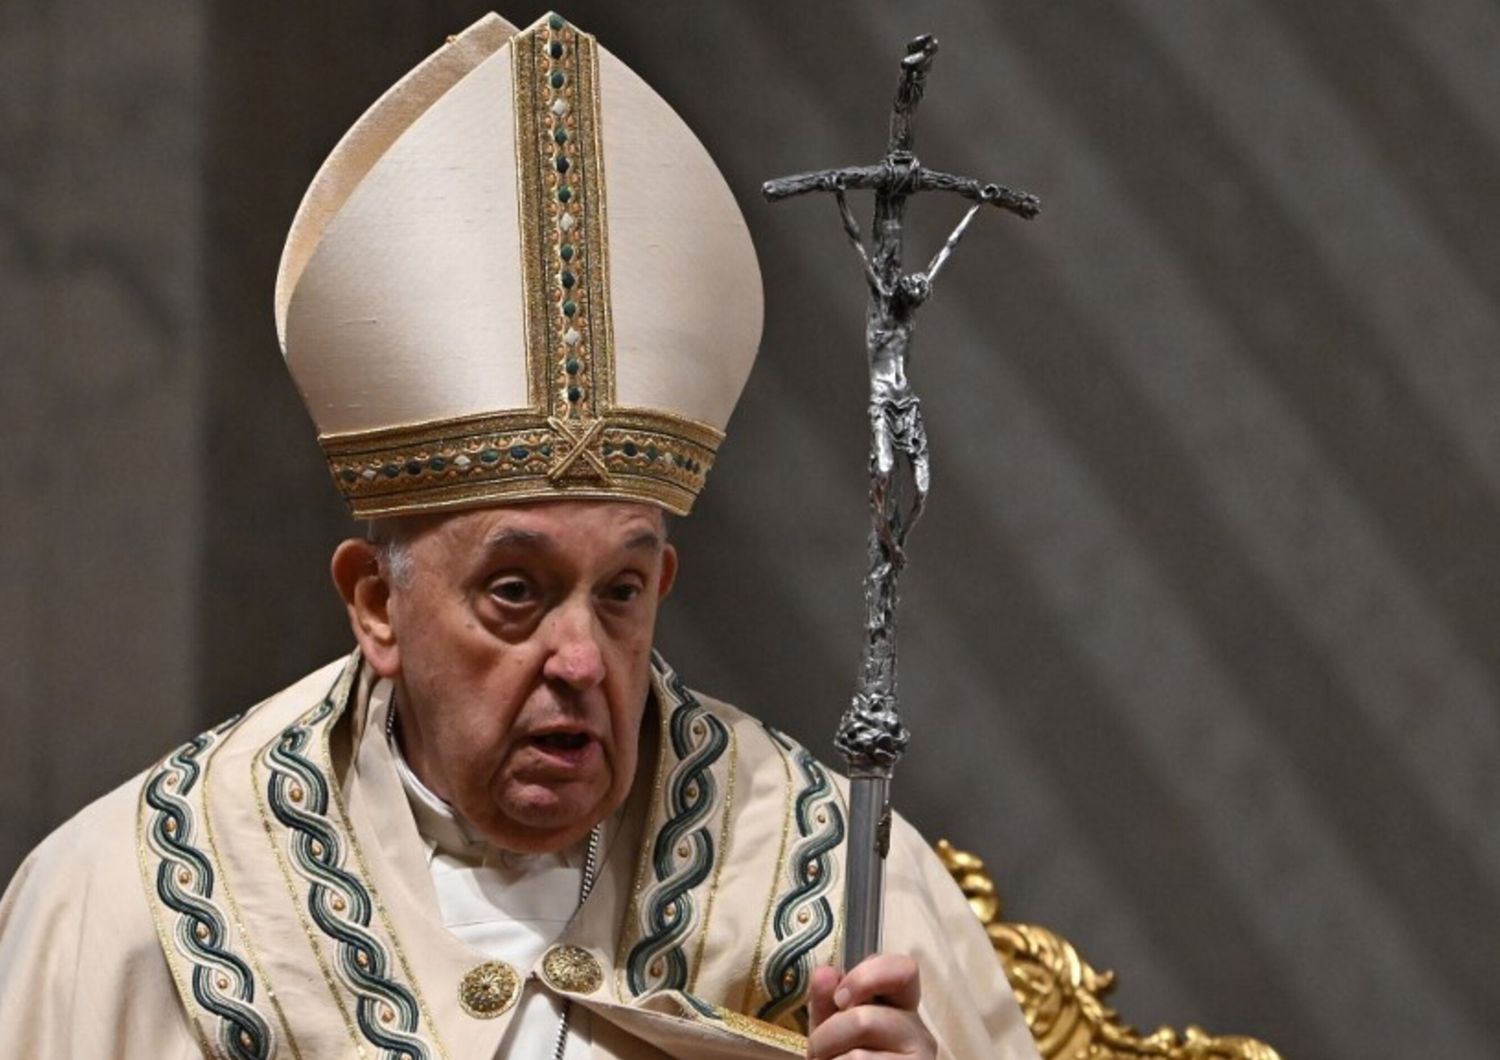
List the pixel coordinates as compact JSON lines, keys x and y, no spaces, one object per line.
{"x":870,"y":1012}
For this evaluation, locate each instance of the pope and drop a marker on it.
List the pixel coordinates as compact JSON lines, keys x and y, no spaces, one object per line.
{"x":520,"y":303}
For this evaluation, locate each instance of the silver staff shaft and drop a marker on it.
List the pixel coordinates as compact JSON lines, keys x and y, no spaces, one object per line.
{"x":869,"y":840}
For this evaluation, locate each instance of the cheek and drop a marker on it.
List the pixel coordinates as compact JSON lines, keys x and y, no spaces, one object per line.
{"x":472,"y":697}
{"x":629,"y":714}
{"x":634,"y":648}
{"x":494,"y":694}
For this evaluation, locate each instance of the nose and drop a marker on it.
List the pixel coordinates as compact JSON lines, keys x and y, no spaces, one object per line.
{"x":575,"y":652}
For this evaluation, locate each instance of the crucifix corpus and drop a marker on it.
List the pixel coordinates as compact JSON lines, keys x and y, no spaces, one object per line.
{"x":870,"y":734}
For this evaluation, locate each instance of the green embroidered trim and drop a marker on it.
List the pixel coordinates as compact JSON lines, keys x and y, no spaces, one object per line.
{"x":683,"y":851}
{"x":300,"y":796}
{"x":220,"y":980}
{"x":804,"y":917}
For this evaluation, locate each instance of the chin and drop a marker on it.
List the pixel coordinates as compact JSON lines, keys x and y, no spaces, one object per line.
{"x":538,"y":840}
{"x":540,"y":826}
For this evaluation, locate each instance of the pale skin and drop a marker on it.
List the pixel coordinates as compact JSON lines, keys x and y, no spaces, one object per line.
{"x":519,"y":639}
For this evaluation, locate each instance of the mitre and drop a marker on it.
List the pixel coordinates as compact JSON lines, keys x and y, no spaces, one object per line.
{"x":519,"y":276}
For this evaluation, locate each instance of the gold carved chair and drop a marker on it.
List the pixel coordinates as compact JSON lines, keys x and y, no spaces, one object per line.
{"x":1063,"y":996}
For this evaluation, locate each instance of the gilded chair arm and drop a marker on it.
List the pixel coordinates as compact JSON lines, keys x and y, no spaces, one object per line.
{"x":1061,"y":994}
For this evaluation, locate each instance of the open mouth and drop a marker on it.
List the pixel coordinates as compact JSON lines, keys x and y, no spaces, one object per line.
{"x":563,"y":741}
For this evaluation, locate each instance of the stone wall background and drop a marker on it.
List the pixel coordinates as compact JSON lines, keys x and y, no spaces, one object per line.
{"x":1202,"y":631}
{"x":102,"y":398}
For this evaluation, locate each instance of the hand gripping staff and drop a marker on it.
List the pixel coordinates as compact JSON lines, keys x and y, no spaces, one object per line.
{"x":870,"y":734}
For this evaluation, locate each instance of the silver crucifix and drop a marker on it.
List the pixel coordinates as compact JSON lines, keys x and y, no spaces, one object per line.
{"x":870,"y":734}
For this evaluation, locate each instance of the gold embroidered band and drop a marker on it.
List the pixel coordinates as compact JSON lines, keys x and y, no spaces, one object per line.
{"x":564,"y":261}
{"x":644,"y":456}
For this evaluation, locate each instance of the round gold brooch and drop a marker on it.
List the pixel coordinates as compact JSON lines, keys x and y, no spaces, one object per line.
{"x":572,"y":968}
{"x":488,"y":990}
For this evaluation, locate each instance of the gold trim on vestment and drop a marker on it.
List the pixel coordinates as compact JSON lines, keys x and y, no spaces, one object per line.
{"x":234,"y":909}
{"x":752,"y":1001}
{"x":347,"y":827}
{"x":335,"y":989}
{"x":835,"y":950}
{"x":296,"y":760}
{"x":212,"y":945}
{"x":651,"y":827}
{"x":761,"y":1031}
{"x":168,"y":946}
{"x":340,"y":696}
{"x":722,"y":856}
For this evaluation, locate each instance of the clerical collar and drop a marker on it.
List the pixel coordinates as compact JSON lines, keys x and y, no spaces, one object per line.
{"x":437,"y":822}
{"x":443,"y":827}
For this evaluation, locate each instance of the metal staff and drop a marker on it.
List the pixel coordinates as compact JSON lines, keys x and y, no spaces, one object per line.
{"x":870,"y":734}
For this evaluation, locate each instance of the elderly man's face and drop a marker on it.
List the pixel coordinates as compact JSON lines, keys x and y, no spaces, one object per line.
{"x":519,"y":641}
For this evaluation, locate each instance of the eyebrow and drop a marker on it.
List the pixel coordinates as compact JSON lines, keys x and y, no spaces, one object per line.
{"x":648,"y":540}
{"x":510,"y":537}
{"x":535,"y":540}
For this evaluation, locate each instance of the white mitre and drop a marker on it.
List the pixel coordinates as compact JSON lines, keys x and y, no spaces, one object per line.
{"x":519,"y":276}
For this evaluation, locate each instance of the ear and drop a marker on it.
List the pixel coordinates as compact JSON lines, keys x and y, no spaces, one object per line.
{"x":367,"y":597}
{"x":668,"y":572}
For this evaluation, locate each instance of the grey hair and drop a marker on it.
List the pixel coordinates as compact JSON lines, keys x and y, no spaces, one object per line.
{"x":392,"y":538}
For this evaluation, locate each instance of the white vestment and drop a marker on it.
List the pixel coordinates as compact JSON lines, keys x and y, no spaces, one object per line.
{"x":266,"y":891}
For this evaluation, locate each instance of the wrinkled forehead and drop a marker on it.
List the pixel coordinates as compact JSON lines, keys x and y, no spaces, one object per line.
{"x":567,"y":526}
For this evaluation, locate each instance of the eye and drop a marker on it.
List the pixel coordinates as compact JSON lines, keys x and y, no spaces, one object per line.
{"x":623,"y":592}
{"x":512,"y":591}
